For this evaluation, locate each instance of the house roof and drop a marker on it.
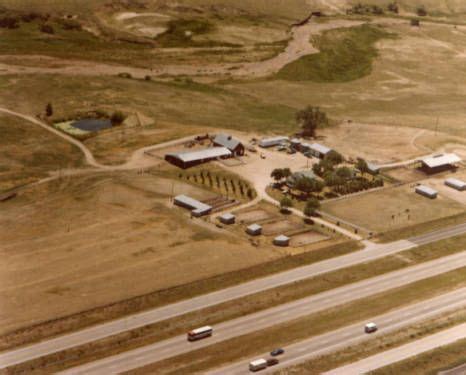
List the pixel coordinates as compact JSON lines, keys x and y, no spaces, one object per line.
{"x":196,"y":206}
{"x":426,"y":189}
{"x":208,"y":153}
{"x":455,"y":182}
{"x":441,"y":159}
{"x":254,"y":227}
{"x":227,"y":141}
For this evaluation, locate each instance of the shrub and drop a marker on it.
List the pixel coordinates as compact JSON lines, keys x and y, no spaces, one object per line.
{"x":421,"y":11}
{"x":46,"y":28}
{"x":70,"y":25}
{"x":285,"y":203}
{"x":147,"y":78}
{"x":49,"y":110}
{"x":415,"y":22}
{"x":117,"y":118}
{"x":393,"y":7}
{"x":9,"y":23}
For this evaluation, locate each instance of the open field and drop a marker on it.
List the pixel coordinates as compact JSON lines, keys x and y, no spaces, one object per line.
{"x":392,"y":208}
{"x":72,"y":245}
{"x":28,"y":153}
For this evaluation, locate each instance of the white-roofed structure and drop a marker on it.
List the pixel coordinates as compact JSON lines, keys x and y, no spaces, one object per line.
{"x":227,"y":141}
{"x":456,"y":184}
{"x":426,"y":191}
{"x":315,"y":149}
{"x":197,"y":208}
{"x":440,"y":163}
{"x":227,"y":218}
{"x":188,"y":159}
{"x":274,"y":141}
{"x":254,"y":230}
{"x":281,"y":240}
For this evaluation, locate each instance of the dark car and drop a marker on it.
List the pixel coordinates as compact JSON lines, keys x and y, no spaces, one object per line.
{"x":276,"y":352}
{"x":272,"y":362}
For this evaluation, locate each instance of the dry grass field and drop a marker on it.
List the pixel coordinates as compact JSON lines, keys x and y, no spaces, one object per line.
{"x":28,"y":153}
{"x":75,"y":244}
{"x":392,"y":208}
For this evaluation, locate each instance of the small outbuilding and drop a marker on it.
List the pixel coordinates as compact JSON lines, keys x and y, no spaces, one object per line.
{"x":197,"y":208}
{"x":281,"y":240}
{"x":426,"y":191}
{"x":456,"y":184}
{"x":227,"y":141}
{"x":254,"y":230}
{"x":315,"y":149}
{"x":191,"y":158}
{"x":274,"y":141}
{"x":227,"y":218}
{"x":439,"y":163}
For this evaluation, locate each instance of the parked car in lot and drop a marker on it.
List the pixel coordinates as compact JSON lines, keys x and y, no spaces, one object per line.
{"x":272,"y":362}
{"x":276,"y":352}
{"x":370,"y":327}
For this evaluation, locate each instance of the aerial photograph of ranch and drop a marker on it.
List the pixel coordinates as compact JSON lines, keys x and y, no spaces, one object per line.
{"x":230,"y":187}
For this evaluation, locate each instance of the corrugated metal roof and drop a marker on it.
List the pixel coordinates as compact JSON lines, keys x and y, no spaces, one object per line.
{"x":426,"y":190}
{"x":193,"y":203}
{"x":254,"y":227}
{"x":208,"y":153}
{"x":442,"y":159}
{"x":227,"y":141}
{"x":320,"y":148}
{"x":272,"y":140}
{"x":282,"y":238}
{"x":227,"y":216}
{"x":455,"y":182}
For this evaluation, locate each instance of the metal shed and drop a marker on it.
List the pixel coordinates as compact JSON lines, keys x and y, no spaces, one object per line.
{"x":274,"y":141}
{"x":227,"y":141}
{"x":281,"y":240}
{"x":254,"y":230}
{"x":197,"y":208}
{"x":427,"y":191}
{"x":456,"y":184}
{"x":440,"y":163}
{"x":227,"y":218}
{"x":192,"y":158}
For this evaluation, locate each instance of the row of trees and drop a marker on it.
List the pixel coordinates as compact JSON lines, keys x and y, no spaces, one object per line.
{"x":221,"y":182}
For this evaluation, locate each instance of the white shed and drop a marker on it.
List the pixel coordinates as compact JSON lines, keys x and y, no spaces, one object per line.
{"x":254,"y":230}
{"x":281,"y":240}
{"x":227,"y":218}
{"x":456,"y":184}
{"x":427,"y":191}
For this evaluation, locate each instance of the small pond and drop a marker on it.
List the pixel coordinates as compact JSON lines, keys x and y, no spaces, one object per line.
{"x":92,"y":124}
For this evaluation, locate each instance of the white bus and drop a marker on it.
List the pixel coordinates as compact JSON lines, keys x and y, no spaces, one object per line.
{"x":257,"y":365}
{"x":200,"y":333}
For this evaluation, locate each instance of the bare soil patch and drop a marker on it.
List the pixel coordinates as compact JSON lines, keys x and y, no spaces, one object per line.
{"x":307,"y":238}
{"x":279,"y":227}
{"x":253,"y":216}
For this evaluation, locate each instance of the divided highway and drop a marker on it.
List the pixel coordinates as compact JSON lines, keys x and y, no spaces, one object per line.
{"x":371,"y":252}
{"x":267,"y":318}
{"x":354,"y":334}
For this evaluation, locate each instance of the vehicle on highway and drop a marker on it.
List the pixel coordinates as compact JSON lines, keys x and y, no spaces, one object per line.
{"x":277,"y":351}
{"x":272,"y":362}
{"x":200,"y":333}
{"x":370,"y":327}
{"x":257,"y":365}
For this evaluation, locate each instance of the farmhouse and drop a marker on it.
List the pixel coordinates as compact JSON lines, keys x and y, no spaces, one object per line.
{"x":227,"y":218}
{"x":456,"y":184}
{"x":426,"y":191}
{"x":291,"y":181}
{"x":281,"y":240}
{"x":439,"y":163}
{"x":197,"y":208}
{"x":227,"y":141}
{"x":315,"y":149}
{"x":191,"y":158}
{"x":270,"y":142}
{"x":254,"y":230}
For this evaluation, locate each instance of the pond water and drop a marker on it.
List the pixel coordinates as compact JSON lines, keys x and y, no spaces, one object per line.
{"x":92,"y":124}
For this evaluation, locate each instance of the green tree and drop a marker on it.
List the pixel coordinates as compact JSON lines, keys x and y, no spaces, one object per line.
{"x":334,"y":157}
{"x":344,"y":173}
{"x":285,"y":203}
{"x":332,"y":179}
{"x":362,"y":166}
{"x":277,"y":174}
{"x":117,"y":118}
{"x":48,"y":110}
{"x":310,"y":119}
{"x":312,"y":205}
{"x":286,"y":172}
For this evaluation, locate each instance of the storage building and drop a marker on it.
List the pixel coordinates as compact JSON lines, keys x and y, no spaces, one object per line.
{"x":227,"y":218}
{"x":439,"y":163}
{"x":274,"y":141}
{"x":427,"y":191}
{"x":281,"y":240}
{"x":315,"y":149}
{"x":191,"y":158}
{"x":227,"y":141}
{"x":197,"y":208}
{"x":254,"y":230}
{"x":456,"y":184}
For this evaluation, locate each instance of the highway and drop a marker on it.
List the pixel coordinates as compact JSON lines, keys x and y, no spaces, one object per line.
{"x":354,"y":334}
{"x":86,"y":335}
{"x":273,"y":316}
{"x":389,"y":357}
